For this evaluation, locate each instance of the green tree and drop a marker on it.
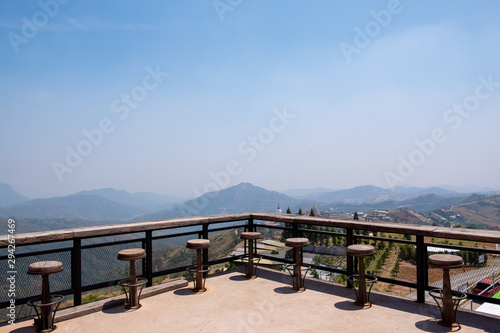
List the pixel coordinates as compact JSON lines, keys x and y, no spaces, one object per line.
{"x":312,"y":212}
{"x":300,"y":211}
{"x":288,"y":211}
{"x":356,"y":217}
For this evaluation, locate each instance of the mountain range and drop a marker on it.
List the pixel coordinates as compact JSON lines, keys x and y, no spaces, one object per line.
{"x":110,"y":206}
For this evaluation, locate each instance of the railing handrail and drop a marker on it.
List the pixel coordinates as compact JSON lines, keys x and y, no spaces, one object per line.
{"x":478,"y":235}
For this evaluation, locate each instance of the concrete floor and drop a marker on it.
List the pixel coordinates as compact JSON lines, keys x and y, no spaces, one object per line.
{"x":268,"y":304}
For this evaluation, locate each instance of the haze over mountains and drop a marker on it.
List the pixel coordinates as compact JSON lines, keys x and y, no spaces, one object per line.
{"x":110,"y":206}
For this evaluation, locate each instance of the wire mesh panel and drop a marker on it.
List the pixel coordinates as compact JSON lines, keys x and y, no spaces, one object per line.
{"x":478,"y":266}
{"x":168,"y":254}
{"x":100,"y":264}
{"x":31,"y":285}
{"x":223,"y":244}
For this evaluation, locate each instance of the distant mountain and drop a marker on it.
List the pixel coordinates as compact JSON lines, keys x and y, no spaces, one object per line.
{"x":477,"y":210}
{"x":143,"y":200}
{"x":10,"y":197}
{"x":312,"y":193}
{"x":91,"y":207}
{"x":374,"y":194}
{"x":243,"y":197}
{"x":411,"y":191}
{"x":470,"y":189}
{"x":359,"y":195}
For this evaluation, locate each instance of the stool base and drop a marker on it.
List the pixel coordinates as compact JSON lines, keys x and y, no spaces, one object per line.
{"x":449,"y":312}
{"x":193,"y":272}
{"x":133,"y":303}
{"x":45,"y":318}
{"x":362,"y":300}
{"x":298,"y":282}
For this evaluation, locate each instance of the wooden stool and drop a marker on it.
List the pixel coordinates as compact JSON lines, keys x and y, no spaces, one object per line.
{"x":199,"y":269}
{"x":297,"y":278}
{"x":361,"y":251}
{"x":450,"y":299}
{"x":132,"y":283}
{"x":251,"y":268}
{"x":45,"y":318}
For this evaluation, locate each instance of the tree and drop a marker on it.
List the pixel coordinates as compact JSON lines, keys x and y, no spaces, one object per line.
{"x":300,"y":211}
{"x":356,"y":217}
{"x":312,"y":212}
{"x":288,"y":211}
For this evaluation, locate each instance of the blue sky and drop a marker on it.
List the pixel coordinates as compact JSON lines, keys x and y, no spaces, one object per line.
{"x":181,"y":97}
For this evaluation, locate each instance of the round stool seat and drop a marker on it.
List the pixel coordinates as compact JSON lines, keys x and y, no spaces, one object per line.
{"x":251,"y":235}
{"x":445,"y":261}
{"x":297,"y":242}
{"x":359,"y":250}
{"x":45,"y":268}
{"x":131,"y":254}
{"x":198,"y":244}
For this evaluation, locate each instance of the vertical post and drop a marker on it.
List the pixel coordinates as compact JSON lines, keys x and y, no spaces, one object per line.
{"x":149,"y":258}
{"x":133,"y":300}
{"x":250,"y":224}
{"x":350,"y":263}
{"x":76,"y":271}
{"x":205,"y":251}
{"x":421,"y":269}
{"x":295,"y":230}
{"x":199,"y":275}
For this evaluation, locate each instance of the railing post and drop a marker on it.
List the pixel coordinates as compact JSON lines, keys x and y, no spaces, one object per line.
{"x":205,"y":236}
{"x":76,"y":271}
{"x":250,"y":224}
{"x":350,"y":264}
{"x":421,"y":269}
{"x":295,"y":230}
{"x":149,"y":258}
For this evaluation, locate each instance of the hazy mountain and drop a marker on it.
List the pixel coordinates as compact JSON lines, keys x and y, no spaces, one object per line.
{"x":144,"y":200}
{"x":470,"y":189}
{"x":90,"y":207}
{"x":312,"y":193}
{"x":374,"y":194}
{"x":243,"y":197}
{"x":411,"y":191}
{"x":477,"y":210}
{"x":10,"y":197}
{"x":360,"y":194}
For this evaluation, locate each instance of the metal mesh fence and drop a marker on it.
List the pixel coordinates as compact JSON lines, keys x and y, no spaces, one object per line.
{"x":100,"y":264}
{"x":31,"y":285}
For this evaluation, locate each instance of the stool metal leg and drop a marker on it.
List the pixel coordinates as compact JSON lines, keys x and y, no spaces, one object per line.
{"x":362,"y":297}
{"x":199,"y":273}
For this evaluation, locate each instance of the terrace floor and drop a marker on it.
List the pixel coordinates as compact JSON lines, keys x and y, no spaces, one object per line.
{"x":268,"y":304}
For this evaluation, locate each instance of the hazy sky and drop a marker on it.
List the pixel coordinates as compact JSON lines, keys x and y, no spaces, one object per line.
{"x":180,"y":97}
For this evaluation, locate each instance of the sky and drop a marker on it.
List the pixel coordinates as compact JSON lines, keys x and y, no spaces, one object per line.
{"x":185,"y":97}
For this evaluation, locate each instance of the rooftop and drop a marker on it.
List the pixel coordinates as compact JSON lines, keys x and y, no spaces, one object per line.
{"x":268,"y":304}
